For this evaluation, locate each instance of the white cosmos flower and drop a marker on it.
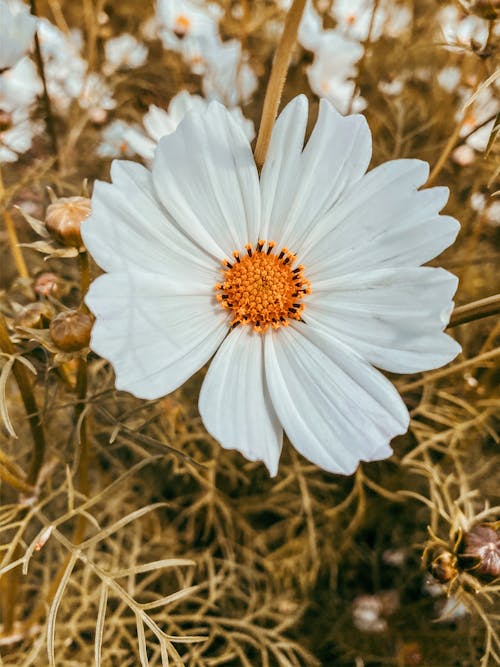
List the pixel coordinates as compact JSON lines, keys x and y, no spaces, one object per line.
{"x":124,"y":51}
{"x":17,"y":32}
{"x":296,"y":328}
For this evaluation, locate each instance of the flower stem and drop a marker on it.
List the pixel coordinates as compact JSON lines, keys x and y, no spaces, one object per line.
{"x":30,"y":405}
{"x":17,"y":255}
{"x":277,"y":79}
{"x":475,"y":310}
{"x":48,"y":106}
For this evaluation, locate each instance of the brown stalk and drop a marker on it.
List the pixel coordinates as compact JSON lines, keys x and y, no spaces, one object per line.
{"x":46,"y":98}
{"x":277,"y":80}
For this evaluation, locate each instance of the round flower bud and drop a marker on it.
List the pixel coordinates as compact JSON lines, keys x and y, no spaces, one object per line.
{"x":70,"y":330}
{"x":33,"y":316}
{"x":64,"y":217}
{"x":443,"y":567}
{"x":481,"y":551}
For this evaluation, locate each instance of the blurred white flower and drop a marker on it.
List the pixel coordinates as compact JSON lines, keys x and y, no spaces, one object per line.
{"x":480,"y":114}
{"x":355,"y":16}
{"x":17,"y":32}
{"x":97,"y":97}
{"x":461,"y":30}
{"x":320,"y":281}
{"x":189,"y":28}
{"x":227,"y":77}
{"x":450,"y":610}
{"x":449,"y":78}
{"x":330,"y":75}
{"x":114,"y":140}
{"x":158,"y":123}
{"x":125,"y":52}
{"x":369,"y":612}
{"x":19,"y":86}
{"x":64,"y":66}
{"x":16,"y":134}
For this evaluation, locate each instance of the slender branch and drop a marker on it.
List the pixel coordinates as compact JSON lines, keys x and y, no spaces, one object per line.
{"x":475,"y":310}
{"x":432,"y":377}
{"x":17,"y":254}
{"x":48,"y":106}
{"x":277,"y":79}
{"x":30,"y":405}
{"x":450,"y":145}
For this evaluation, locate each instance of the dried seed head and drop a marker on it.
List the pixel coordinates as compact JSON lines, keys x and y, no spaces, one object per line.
{"x":444,"y":567}
{"x":33,"y":316}
{"x":482,"y":551}
{"x":70,"y":330}
{"x":64,"y":218}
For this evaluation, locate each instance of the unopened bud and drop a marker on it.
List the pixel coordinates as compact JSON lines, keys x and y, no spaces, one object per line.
{"x":70,"y":330}
{"x":482,"y":551}
{"x":33,"y":316}
{"x":64,"y":218}
{"x":444,"y":567}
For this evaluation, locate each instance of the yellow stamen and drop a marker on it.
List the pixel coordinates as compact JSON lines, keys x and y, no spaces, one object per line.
{"x":262,"y":288}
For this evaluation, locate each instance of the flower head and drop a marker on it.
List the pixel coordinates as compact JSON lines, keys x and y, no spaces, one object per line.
{"x":299,"y":282}
{"x":18,"y":30}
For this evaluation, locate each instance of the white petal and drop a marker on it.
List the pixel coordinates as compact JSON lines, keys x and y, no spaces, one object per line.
{"x":234,"y":400}
{"x":282,"y":169}
{"x":140,"y":143}
{"x":394,"y":318}
{"x":381,"y":221}
{"x":129,"y":229}
{"x":336,"y":156}
{"x":205,"y":176}
{"x":154,"y":337}
{"x":335,"y":408}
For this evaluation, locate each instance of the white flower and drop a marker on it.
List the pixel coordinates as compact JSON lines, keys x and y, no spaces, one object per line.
{"x":124,"y":51}
{"x":227,"y":77}
{"x":19,"y":86}
{"x":158,"y":123}
{"x":295,"y":326}
{"x":96,"y":97}
{"x":114,"y":140}
{"x":189,"y":28}
{"x":461,"y":31}
{"x":64,"y":67}
{"x":17,"y":31}
{"x":330,"y":75}
{"x":16,"y":134}
{"x":355,"y":17}
{"x":449,"y":78}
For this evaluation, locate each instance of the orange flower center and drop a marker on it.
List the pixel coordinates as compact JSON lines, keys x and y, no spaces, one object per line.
{"x":182,"y":24}
{"x":262,"y":288}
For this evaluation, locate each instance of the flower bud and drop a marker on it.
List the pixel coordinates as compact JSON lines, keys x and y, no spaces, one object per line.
{"x":443,"y":567}
{"x":481,"y":551}
{"x":64,"y":217}
{"x":70,"y":330}
{"x":33,"y":316}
